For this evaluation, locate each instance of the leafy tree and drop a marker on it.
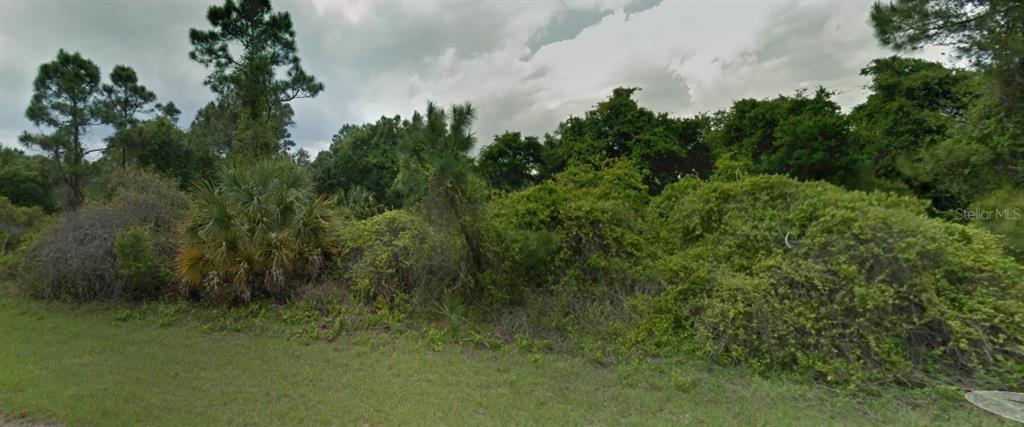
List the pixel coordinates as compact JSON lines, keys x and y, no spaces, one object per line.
{"x":301,"y":158}
{"x":159,"y":145}
{"x":913,"y":104}
{"x":436,"y":172}
{"x":259,"y":81}
{"x":804,"y":137}
{"x":213,"y":128}
{"x":665,"y":147}
{"x":65,"y":99}
{"x":26,"y":179}
{"x":124,"y":99}
{"x":990,"y":33}
{"x":362,"y":156}
{"x":986,"y":152}
{"x":511,"y":162}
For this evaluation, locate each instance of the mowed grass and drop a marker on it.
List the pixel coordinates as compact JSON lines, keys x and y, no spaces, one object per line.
{"x":82,"y":366}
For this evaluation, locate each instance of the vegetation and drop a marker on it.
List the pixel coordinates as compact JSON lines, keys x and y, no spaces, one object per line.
{"x":248,"y":83}
{"x":258,"y":230}
{"x":436,"y":176}
{"x":580,"y":230}
{"x":666,"y":148}
{"x":914,"y":106}
{"x":847,"y":286}
{"x":125,"y":369}
{"x":16,"y":226}
{"x":28,"y":180}
{"x":512,"y":162}
{"x":988,"y":33}
{"x":79,"y":249}
{"x":871,"y":251}
{"x":804,"y":137}
{"x":138,"y":263}
{"x":65,"y":98}
{"x":395,"y":257}
{"x":362,"y":157}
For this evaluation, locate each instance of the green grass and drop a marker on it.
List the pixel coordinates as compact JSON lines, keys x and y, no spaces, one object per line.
{"x":96,"y":366}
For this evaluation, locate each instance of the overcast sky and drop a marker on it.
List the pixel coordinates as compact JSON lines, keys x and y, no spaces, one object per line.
{"x":524,"y":65}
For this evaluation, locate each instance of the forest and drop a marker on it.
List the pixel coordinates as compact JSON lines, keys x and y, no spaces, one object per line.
{"x":869,"y":250}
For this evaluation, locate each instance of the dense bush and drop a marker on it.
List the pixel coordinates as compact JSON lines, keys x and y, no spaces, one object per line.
{"x":1002,"y":213}
{"x":259,"y":230}
{"x":398,"y":256}
{"x":851,"y":287}
{"x":580,"y":230}
{"x":75,"y":258}
{"x":139,"y":264}
{"x":27,"y":180}
{"x":16,"y":223}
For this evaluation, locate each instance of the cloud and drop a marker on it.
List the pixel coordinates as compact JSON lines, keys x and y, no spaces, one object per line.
{"x":565,"y":24}
{"x":525,"y":66}
{"x":637,"y":6}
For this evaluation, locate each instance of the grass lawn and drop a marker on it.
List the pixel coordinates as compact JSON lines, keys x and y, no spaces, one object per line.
{"x":83,"y":366}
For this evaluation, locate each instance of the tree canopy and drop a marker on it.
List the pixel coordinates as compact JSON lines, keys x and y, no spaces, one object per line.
{"x":261,"y":79}
{"x":512,"y":162}
{"x":990,"y":33}
{"x":362,"y":156}
{"x":913,"y":104}
{"x":665,"y":147}
{"x":806,"y":137}
{"x":65,"y":100}
{"x":27,"y":180}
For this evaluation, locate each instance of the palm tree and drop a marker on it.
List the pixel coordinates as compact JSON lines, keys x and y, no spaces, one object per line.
{"x":257,"y":230}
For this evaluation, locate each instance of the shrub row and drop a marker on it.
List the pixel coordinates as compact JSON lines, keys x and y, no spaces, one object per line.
{"x":765,"y":271}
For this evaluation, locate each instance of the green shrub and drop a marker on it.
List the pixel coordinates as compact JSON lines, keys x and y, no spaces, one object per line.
{"x":849,"y":287}
{"x":563,"y":256}
{"x":141,"y":268}
{"x":1002,"y":213}
{"x":581,"y":231}
{"x":260,"y":230}
{"x":75,"y":258}
{"x":16,"y":225}
{"x":397,"y":256}
{"x":16,"y":221}
{"x":27,"y":180}
{"x":358,"y":203}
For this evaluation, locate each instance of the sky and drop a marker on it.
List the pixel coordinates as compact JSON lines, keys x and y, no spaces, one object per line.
{"x":524,"y":65}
